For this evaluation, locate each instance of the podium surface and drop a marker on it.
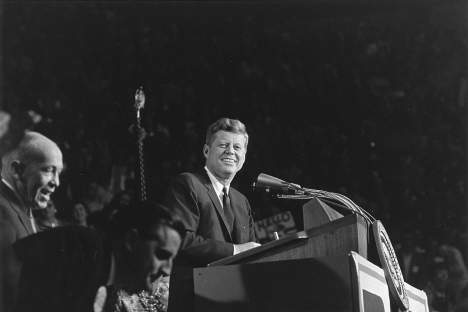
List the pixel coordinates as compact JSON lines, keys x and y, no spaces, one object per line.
{"x":335,"y":238}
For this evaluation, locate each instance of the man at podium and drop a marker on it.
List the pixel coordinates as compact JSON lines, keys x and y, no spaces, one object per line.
{"x":217,"y":218}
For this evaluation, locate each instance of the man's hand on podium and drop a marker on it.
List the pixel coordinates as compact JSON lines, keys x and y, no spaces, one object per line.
{"x":243,"y":247}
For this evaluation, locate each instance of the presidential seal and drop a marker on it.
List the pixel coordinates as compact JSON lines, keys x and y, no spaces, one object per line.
{"x":390,"y":266}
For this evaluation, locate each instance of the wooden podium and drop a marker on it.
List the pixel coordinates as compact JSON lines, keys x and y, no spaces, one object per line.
{"x":326,"y":233}
{"x":322,"y":268}
{"x":347,"y":283}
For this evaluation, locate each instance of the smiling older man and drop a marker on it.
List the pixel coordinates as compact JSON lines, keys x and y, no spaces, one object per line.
{"x":30,"y":174}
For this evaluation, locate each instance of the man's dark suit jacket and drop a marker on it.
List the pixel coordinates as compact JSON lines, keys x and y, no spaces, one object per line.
{"x":193,"y":198}
{"x":14,"y":225}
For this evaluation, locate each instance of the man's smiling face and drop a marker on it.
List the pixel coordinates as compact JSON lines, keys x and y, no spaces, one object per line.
{"x":39,"y":177}
{"x":226,"y":155}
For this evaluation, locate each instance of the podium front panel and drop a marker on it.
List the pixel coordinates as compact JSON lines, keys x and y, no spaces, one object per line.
{"x":417,"y":299}
{"x":374,"y":295}
{"x":370,"y":285}
{"x":316,"y":284}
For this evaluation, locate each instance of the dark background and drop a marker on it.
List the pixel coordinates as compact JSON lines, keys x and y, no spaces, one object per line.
{"x":366,"y":99}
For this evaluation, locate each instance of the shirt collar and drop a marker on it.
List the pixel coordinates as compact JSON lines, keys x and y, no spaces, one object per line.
{"x":218,"y":186}
{"x":9,"y":185}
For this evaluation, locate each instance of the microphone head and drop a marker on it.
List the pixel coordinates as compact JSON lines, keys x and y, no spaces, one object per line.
{"x":270,"y":182}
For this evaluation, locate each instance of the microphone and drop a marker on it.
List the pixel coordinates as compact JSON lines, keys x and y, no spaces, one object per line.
{"x":271,"y":184}
{"x":283,"y":189}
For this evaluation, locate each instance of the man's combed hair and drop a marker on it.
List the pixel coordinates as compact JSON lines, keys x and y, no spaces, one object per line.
{"x":229,"y":125}
{"x":144,"y":217}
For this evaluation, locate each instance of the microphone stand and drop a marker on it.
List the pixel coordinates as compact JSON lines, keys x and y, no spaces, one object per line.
{"x":140,"y":135}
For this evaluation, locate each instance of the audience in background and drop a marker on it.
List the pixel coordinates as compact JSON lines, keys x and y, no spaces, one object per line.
{"x":412,"y":260}
{"x":436,"y":289}
{"x":46,"y":218}
{"x":78,"y":215}
{"x":101,"y":219}
{"x":458,"y":273}
{"x":95,"y":197}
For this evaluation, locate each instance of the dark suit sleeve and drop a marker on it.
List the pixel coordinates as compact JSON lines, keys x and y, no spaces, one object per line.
{"x":62,"y":269}
{"x":252,"y":235}
{"x":9,"y":265}
{"x":199,"y":247}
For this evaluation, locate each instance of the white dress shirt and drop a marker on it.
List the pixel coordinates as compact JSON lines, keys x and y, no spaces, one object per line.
{"x":218,"y":186}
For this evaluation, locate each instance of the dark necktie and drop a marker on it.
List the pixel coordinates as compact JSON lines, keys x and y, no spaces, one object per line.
{"x":228,"y":213}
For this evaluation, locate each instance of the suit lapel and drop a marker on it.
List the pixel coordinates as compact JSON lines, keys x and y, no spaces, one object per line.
{"x":24,"y":218}
{"x":237,"y":230}
{"x":215,"y":200}
{"x":16,"y":206}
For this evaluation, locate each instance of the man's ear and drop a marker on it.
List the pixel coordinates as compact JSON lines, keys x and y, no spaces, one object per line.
{"x":17,"y":170}
{"x":206,"y":150}
{"x":130,"y":238}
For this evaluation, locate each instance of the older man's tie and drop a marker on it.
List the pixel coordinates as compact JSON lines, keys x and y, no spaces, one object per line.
{"x":228,"y":213}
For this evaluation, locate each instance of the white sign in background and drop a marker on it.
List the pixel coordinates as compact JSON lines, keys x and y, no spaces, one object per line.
{"x":282,"y":223}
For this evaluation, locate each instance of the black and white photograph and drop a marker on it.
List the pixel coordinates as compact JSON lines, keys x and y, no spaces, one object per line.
{"x":230,"y":156}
